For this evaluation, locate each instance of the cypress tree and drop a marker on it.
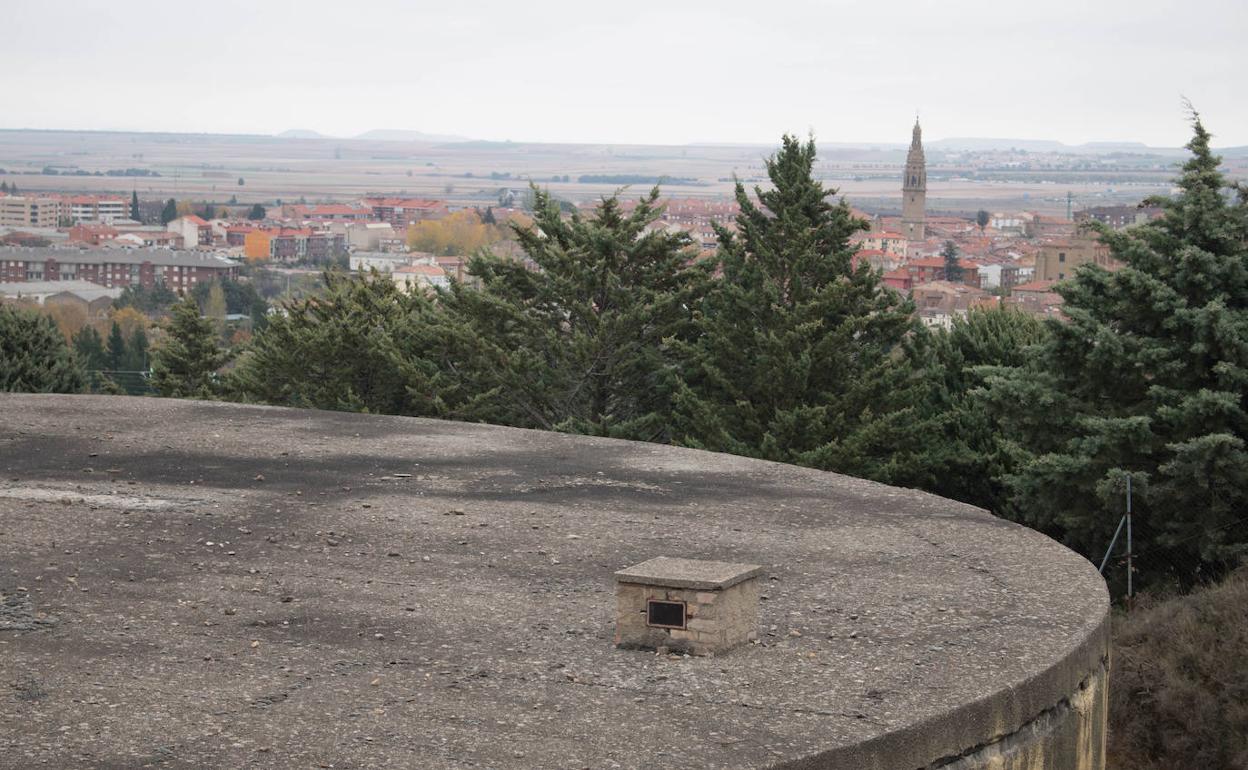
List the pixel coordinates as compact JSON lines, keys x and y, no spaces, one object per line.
{"x":89,"y":348}
{"x":792,"y":360}
{"x":169,"y":212}
{"x":953,"y":267}
{"x":1148,"y":379}
{"x":362,"y":344}
{"x":115,"y":352}
{"x":136,"y":351}
{"x":134,"y":205}
{"x":584,"y":342}
{"x":958,"y":448}
{"x":186,"y":364}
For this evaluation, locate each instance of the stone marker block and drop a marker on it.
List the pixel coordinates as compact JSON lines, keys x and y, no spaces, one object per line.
{"x":689,"y":605}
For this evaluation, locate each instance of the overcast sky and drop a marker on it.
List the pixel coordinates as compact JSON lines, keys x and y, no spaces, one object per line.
{"x":675,"y":71}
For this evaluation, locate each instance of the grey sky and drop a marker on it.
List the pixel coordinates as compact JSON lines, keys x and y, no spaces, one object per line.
{"x":657,"y":72}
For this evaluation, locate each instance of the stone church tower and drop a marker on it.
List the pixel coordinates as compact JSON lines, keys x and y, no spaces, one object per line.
{"x":914,"y":190}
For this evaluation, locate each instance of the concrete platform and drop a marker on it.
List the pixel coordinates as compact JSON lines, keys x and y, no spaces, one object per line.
{"x":210,"y":585}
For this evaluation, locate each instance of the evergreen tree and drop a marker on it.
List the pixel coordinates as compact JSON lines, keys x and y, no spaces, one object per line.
{"x":584,"y":342}
{"x":488,"y":217}
{"x":1147,"y":380}
{"x":4,"y":187}
{"x":362,"y":344}
{"x":115,"y":352}
{"x":34,"y":357}
{"x":134,"y":206}
{"x":953,"y":266}
{"x":169,"y":212}
{"x":156,"y":300}
{"x":136,"y":351}
{"x":792,"y":359}
{"x":89,"y":348}
{"x":961,"y":453}
{"x":257,"y":213}
{"x":982,"y":218}
{"x":186,"y":364}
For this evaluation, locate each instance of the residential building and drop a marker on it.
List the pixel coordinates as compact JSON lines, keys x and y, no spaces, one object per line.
{"x":998,"y":275}
{"x":288,"y":244}
{"x":401,"y":212}
{"x":327,"y":212}
{"x":883,"y":240}
{"x":1037,"y":298}
{"x":94,"y":208}
{"x":179,"y":270}
{"x":900,"y":279}
{"x":194,"y":230}
{"x":1118,"y":217}
{"x":422,"y":275}
{"x":382,"y":262}
{"x":368,"y":236}
{"x":29,"y":211}
{"x":1058,"y":260}
{"x":927,"y":269}
{"x":937,"y":303}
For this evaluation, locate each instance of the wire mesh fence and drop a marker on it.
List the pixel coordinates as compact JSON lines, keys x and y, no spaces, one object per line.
{"x":129,"y":382}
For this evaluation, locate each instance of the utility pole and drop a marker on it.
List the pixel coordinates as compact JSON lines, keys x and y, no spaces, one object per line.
{"x":1130,"y":563}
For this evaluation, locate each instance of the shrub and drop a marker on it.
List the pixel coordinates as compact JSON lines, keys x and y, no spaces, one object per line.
{"x":1179,"y":687}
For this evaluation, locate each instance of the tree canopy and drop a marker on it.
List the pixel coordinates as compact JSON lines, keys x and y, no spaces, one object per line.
{"x":1147,"y":379}
{"x":793,"y":345}
{"x":584,"y":341}
{"x":185,"y":365}
{"x":34,"y":357}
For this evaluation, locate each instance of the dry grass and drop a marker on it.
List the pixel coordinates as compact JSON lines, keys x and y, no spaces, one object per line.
{"x":1179,"y":689}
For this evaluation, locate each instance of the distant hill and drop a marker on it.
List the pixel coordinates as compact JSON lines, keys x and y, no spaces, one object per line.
{"x":301,"y":133}
{"x":405,"y":135}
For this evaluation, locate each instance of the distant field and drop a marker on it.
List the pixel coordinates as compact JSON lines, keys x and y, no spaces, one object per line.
{"x":207,"y":167}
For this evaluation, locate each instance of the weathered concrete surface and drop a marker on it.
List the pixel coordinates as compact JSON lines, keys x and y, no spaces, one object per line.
{"x":226,"y":586}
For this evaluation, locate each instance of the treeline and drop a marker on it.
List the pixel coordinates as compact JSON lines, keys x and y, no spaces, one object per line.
{"x":634,"y":179}
{"x":778,"y":348}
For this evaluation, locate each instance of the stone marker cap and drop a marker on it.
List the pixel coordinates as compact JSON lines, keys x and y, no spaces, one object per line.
{"x":688,"y":573}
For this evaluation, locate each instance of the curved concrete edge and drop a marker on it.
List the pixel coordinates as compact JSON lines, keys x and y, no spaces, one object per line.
{"x":1055,"y":719}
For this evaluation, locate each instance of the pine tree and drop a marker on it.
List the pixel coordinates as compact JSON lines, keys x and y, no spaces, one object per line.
{"x":34,"y":357}
{"x":584,"y":342}
{"x":1147,"y":379}
{"x":134,"y":206}
{"x":115,"y":352}
{"x":169,"y":212}
{"x":257,"y":213}
{"x":792,"y":359}
{"x":186,"y":364}
{"x":953,"y":265}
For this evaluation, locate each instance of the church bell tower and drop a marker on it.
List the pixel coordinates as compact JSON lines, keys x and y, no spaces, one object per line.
{"x":914,"y":189}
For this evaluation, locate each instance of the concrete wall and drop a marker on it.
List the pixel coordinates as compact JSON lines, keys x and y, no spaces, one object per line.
{"x":1056,"y":720}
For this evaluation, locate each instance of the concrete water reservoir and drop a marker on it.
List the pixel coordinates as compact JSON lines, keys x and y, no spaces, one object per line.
{"x":212,"y":585}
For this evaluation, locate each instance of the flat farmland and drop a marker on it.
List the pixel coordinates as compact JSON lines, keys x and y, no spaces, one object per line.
{"x":208,"y":167}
